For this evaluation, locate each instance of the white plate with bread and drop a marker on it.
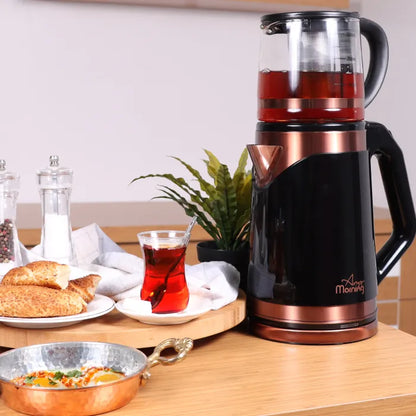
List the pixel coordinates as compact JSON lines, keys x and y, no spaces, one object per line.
{"x":99,"y":306}
{"x":40,"y":295}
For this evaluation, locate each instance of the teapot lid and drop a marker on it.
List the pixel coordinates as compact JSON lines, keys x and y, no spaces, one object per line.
{"x":270,"y":18}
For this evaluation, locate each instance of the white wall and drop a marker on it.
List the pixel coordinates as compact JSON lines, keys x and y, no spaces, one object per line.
{"x":395,"y":105}
{"x":116,"y":89}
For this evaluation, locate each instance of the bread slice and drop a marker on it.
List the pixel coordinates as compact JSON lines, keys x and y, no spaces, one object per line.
{"x":30,"y":301}
{"x":40,"y":273}
{"x":18,"y":276}
{"x":85,"y":286}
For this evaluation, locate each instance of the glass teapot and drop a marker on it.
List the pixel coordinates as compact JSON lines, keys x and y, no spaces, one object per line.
{"x":311,"y":66}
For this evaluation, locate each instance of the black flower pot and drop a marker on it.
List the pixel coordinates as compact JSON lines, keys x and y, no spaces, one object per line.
{"x":208,"y":251}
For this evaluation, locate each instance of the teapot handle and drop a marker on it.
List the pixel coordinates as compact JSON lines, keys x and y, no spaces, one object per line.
{"x":381,"y":144}
{"x":379,"y":58}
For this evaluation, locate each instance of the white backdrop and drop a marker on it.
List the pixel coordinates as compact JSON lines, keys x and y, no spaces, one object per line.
{"x":115,"y":89}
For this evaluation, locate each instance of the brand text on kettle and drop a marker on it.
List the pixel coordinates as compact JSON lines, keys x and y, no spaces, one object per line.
{"x":350,"y":285}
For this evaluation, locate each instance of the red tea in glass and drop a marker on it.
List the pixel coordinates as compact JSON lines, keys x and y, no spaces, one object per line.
{"x":304,"y":96}
{"x":164,"y":282}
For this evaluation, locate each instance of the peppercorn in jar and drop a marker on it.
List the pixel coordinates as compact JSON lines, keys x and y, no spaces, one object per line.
{"x":9,"y":243}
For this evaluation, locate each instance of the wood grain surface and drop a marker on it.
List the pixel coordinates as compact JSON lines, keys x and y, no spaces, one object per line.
{"x":118,"y":328}
{"x":235,"y":373}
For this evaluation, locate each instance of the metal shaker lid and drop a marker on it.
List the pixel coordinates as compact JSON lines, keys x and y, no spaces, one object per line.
{"x":55,"y":176}
{"x":9,"y":181}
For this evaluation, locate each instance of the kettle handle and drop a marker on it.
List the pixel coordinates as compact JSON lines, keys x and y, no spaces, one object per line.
{"x":379,"y":58}
{"x":381,"y":144}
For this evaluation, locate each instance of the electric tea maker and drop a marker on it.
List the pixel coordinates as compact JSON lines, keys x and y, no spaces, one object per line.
{"x":313,"y":271}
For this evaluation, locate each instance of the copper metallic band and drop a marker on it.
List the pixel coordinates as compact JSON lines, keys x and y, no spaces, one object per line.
{"x":315,"y":337}
{"x":313,"y":315}
{"x":275,"y":151}
{"x":300,"y":144}
{"x":311,"y":103}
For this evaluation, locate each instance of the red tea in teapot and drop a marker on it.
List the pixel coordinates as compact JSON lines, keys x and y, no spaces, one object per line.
{"x":305,"y":96}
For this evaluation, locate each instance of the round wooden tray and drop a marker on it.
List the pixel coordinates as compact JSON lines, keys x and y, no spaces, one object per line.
{"x":118,"y":328}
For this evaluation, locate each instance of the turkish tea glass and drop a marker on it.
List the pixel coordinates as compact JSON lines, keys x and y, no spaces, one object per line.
{"x":164,"y":284}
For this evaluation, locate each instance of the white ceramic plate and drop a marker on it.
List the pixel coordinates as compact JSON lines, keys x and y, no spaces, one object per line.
{"x":99,"y":306}
{"x":197,"y":306}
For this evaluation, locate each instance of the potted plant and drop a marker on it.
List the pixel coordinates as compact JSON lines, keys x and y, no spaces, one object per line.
{"x":222,"y":205}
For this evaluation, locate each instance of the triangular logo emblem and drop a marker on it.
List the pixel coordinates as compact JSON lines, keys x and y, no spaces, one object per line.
{"x":265,"y":160}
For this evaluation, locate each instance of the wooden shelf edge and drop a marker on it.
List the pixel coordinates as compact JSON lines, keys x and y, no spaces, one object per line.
{"x":233,"y":5}
{"x":121,"y":235}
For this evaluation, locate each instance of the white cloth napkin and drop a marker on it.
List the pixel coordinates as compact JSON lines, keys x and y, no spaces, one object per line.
{"x":122,"y":273}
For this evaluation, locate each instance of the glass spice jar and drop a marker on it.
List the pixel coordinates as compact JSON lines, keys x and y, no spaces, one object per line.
{"x":55,"y":185}
{"x":10,"y":255}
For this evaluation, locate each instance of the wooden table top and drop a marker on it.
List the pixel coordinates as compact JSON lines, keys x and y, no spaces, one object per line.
{"x":235,"y":373}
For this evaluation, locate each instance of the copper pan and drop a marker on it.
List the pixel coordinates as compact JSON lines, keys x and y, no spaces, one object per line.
{"x":70,"y":355}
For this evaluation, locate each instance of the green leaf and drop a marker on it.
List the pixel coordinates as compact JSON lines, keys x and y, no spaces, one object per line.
{"x":213,"y":164}
{"x":204,"y":185}
{"x":51,"y":382}
{"x":225,"y":206}
{"x":242,"y":163}
{"x":222,"y":207}
{"x":30,"y":379}
{"x":192,"y":210}
{"x":74,"y":373}
{"x":58,"y":375}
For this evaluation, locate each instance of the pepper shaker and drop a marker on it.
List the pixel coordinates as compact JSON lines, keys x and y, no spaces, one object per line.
{"x":9,"y":243}
{"x":55,"y":185}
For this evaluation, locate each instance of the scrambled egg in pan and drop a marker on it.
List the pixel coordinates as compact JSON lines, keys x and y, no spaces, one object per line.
{"x":84,"y":377}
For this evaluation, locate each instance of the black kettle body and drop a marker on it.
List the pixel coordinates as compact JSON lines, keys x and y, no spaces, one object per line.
{"x":314,"y":271}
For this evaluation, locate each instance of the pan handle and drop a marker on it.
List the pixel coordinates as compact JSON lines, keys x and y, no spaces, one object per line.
{"x":181,"y":345}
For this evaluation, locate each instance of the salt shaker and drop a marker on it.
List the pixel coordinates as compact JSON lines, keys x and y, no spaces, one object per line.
{"x":55,"y":185}
{"x":9,"y":243}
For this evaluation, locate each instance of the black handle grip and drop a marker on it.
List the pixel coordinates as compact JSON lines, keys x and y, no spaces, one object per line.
{"x":379,"y":58}
{"x":381,"y":144}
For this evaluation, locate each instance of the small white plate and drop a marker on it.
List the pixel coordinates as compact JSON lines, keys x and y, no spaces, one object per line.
{"x":99,"y":306}
{"x":197,"y":306}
